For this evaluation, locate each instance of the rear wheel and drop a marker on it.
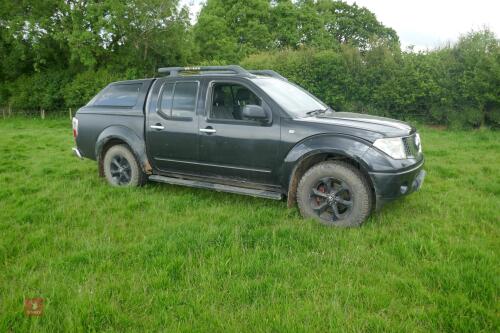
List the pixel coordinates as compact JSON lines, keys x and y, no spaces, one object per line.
{"x":334,"y":193}
{"x":121,"y":167}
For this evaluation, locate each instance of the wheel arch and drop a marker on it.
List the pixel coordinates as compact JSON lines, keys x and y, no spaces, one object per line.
{"x":115,"y":135}
{"x":322,"y":148}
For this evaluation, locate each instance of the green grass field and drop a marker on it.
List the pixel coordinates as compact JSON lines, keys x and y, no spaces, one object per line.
{"x":168,"y":258}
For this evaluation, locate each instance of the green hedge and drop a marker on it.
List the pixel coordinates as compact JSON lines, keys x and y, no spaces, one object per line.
{"x":56,"y":90}
{"x":457,"y":86}
{"x":38,"y":91}
{"x":86,"y":85}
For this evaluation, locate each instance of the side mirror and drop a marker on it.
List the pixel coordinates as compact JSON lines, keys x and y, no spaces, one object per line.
{"x":255,"y":112}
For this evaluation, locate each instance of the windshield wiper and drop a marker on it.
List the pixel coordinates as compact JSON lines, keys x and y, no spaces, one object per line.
{"x":317,"y":111}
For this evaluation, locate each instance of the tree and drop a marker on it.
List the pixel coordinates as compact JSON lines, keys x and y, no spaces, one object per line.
{"x":68,"y":37}
{"x":351,"y":24}
{"x":231,"y":29}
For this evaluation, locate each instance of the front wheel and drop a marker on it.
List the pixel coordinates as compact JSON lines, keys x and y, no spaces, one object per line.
{"x":334,"y":193}
{"x":121,"y":167}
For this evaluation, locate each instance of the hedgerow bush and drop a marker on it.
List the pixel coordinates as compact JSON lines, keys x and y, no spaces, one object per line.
{"x":42,"y":90}
{"x":85,"y":85}
{"x":457,"y":86}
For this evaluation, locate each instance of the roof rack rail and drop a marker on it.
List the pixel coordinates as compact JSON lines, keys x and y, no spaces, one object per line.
{"x":268,"y":72}
{"x":174,"y":71}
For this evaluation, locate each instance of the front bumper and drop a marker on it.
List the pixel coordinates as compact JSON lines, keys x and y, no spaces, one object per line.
{"x":392,"y":185}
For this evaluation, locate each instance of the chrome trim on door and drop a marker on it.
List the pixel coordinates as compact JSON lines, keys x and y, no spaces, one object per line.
{"x":157,"y":127}
{"x":213,"y":165}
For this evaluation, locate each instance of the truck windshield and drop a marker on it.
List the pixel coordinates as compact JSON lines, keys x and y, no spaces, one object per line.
{"x":293,"y":99}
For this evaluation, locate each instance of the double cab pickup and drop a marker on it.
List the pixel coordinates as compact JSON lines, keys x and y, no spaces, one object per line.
{"x":249,"y":132}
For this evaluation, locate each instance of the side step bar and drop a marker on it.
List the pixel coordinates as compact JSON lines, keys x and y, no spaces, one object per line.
{"x":218,"y":187}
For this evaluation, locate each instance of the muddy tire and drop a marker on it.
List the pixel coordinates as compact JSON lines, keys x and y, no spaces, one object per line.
{"x":335,"y":194}
{"x":121,"y":167}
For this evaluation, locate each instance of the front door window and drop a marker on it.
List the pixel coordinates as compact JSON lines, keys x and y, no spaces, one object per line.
{"x":228,"y":100}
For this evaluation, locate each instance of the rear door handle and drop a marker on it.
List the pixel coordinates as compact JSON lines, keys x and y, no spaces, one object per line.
{"x":208,"y":130}
{"x":157,"y":126}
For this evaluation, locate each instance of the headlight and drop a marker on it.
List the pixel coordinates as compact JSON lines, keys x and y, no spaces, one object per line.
{"x":393,"y":147}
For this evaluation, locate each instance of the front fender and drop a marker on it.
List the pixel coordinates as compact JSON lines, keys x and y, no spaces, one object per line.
{"x":127,"y":135}
{"x":338,"y":145}
{"x":303,"y":155}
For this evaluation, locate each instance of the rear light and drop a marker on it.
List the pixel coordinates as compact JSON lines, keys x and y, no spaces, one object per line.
{"x":75,"y":127}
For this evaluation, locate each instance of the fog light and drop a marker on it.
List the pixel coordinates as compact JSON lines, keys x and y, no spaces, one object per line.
{"x":403,"y":189}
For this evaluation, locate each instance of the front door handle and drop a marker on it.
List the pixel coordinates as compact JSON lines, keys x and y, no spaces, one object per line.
{"x":208,"y":130}
{"x":157,"y":126}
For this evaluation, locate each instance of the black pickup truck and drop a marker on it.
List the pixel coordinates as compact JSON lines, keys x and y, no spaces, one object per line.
{"x":249,"y":132}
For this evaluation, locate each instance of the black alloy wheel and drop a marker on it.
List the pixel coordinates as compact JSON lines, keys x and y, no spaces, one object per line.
{"x":331,"y":199}
{"x":121,"y":172}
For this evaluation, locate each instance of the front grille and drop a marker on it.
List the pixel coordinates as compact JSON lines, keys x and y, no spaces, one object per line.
{"x":411,"y":146}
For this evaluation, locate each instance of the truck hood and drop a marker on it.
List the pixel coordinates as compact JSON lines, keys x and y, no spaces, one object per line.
{"x":385,"y":126}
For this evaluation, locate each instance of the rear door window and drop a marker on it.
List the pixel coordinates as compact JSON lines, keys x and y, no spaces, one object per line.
{"x":184,"y":101}
{"x":179,"y":100}
{"x":166,"y":99}
{"x":120,"y":95}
